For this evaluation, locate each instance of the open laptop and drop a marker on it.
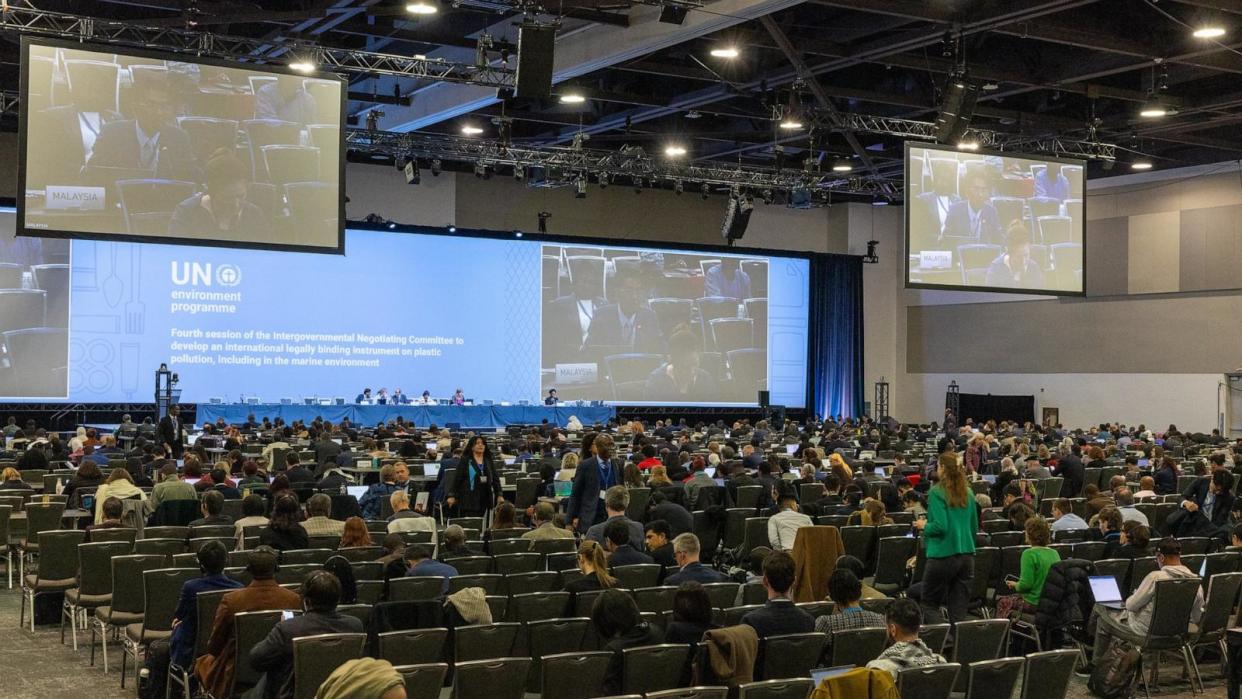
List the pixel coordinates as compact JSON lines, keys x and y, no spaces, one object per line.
{"x":1104,"y":589}
{"x":564,"y":488}
{"x":820,"y":674}
{"x":431,"y":470}
{"x":791,"y":449}
{"x":356,"y":490}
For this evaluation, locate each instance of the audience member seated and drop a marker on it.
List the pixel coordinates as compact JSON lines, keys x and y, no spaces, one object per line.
{"x":221,"y":483}
{"x":354,"y":534}
{"x":371,"y":501}
{"x":686,"y":552}
{"x":171,"y":486}
{"x":1125,"y":504}
{"x":215,"y":668}
{"x":88,"y":476}
{"x":254,"y":508}
{"x":284,"y":532}
{"x":617,"y":544}
{"x":620,"y":626}
{"x":594,"y":567}
{"x":1036,"y":561}
{"x":1063,"y":517}
{"x":118,"y":485}
{"x":678,"y":518}
{"x":1131,"y":624}
{"x":1147,"y":487}
{"x":319,"y":520}
{"x":779,"y":615}
{"x":1108,"y":530}
{"x":273,"y":656}
{"x":658,"y":542}
{"x":904,"y":618}
{"x":784,"y":525}
{"x":363,"y":678}
{"x":872,"y":514}
{"x":1205,"y":506}
{"x":543,"y":516}
{"x":393,"y":559}
{"x":404,"y":519}
{"x":454,"y":543}
{"x":616,"y":501}
{"x":855,"y":566}
{"x":422,"y":565}
{"x":692,"y":615}
{"x":112,"y":509}
{"x":213,"y":510}
{"x":845,"y":590}
{"x":1134,"y":540}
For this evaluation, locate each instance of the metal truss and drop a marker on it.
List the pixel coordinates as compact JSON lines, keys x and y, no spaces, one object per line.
{"x":562,"y":164}
{"x":28,"y":20}
{"x":996,"y":140}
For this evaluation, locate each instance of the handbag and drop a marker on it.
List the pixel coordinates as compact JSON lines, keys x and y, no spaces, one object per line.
{"x":1117,"y":672}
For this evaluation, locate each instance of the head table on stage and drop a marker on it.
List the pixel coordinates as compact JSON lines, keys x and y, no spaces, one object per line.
{"x":467,"y":416}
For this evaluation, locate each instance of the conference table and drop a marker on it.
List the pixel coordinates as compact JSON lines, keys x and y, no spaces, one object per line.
{"x":468,"y":417}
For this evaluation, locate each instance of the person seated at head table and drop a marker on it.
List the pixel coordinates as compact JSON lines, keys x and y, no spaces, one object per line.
{"x":222,"y":206}
{"x":727,"y":279}
{"x":974,"y":218}
{"x":285,"y":99}
{"x":1052,"y":183}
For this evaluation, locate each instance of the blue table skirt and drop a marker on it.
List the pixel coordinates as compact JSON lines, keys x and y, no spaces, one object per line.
{"x":468,"y":416}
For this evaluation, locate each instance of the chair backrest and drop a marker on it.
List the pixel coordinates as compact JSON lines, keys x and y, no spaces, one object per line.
{"x":534,"y":606}
{"x":316,"y":657}
{"x":791,"y":655}
{"x":858,"y":646}
{"x":423,"y":681}
{"x":587,"y":670}
{"x":42,"y":517}
{"x":489,"y":582}
{"x":206,"y":604}
{"x":538,"y":581}
{"x":509,"y":563}
{"x":980,"y":639}
{"x":653,"y":668}
{"x":1047,"y":674}
{"x":891,"y":555}
{"x":993,"y":678}
{"x":410,"y":645}
{"x":95,"y":566}
{"x":776,"y":689}
{"x":166,"y":532}
{"x":128,"y":571}
{"x":490,"y":679}
{"x":698,"y":692}
{"x":934,"y":635}
{"x":639,"y":575}
{"x":124,"y":534}
{"x":928,"y":681}
{"x":161,"y":590}
{"x":58,"y":553}
{"x":484,"y":641}
{"x":1172,"y":606}
{"x":415,"y":588}
{"x":249,"y":628}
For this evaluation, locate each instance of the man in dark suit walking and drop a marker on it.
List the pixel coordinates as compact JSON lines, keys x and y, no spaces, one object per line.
{"x":171,"y":431}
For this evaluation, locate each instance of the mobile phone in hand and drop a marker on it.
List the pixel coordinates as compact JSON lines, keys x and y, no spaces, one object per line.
{"x":286,"y":615}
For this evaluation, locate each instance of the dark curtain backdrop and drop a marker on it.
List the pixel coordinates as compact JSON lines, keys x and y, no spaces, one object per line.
{"x":983,"y":407}
{"x":835,"y":366}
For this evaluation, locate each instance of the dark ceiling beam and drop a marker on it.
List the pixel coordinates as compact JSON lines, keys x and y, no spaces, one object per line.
{"x":821,"y":96}
{"x":1025,"y":11}
{"x":614,"y":18}
{"x":403,"y":31}
{"x":916,"y":10}
{"x":1231,"y":6}
{"x":1091,"y":38}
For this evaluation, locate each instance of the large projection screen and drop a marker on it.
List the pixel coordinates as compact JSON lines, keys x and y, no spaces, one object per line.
{"x":993,"y":221}
{"x":594,"y":320}
{"x":123,"y":144}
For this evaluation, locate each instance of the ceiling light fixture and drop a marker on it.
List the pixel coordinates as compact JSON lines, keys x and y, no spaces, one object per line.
{"x":968,"y":145}
{"x":470,"y":130}
{"x":842,"y":165}
{"x":675,"y":151}
{"x":302,"y":65}
{"x":1153,"y":109}
{"x":573,"y":98}
{"x":1142,"y":164}
{"x":726,"y":52}
{"x":1209,"y":31}
{"x":421,"y":7}
{"x":791,"y":123}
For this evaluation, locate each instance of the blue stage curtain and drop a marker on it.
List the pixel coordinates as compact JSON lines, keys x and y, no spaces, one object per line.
{"x":835,"y":364}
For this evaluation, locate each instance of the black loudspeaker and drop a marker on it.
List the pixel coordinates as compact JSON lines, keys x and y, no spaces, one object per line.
{"x":765,"y":399}
{"x":534,"y":71}
{"x":956,"y":109}
{"x":673,"y":14}
{"x":737,"y":217}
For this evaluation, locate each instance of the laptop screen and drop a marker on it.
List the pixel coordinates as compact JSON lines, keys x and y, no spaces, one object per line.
{"x":432,"y":470}
{"x":791,"y":449}
{"x":431,"y":445}
{"x":1104,"y":588}
{"x":356,"y":490}
{"x":820,"y":674}
{"x":564,"y":488}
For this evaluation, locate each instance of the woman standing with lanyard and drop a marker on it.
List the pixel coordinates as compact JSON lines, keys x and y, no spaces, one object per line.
{"x":949,"y":536}
{"x":475,"y":486}
{"x":592,"y":478}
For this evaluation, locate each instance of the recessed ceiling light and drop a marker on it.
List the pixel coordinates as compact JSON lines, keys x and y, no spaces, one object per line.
{"x":421,"y":8}
{"x":572,"y":98}
{"x":725,"y":52}
{"x":302,"y":66}
{"x":1141,"y":165}
{"x":470,"y":130}
{"x":675,"y":151}
{"x":1210,"y":31}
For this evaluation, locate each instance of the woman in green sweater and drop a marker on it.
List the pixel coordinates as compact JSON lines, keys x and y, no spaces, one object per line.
{"x":949,"y":536}
{"x":1036,"y":562}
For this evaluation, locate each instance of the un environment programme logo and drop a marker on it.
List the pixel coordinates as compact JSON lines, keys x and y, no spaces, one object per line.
{"x":228,"y":275}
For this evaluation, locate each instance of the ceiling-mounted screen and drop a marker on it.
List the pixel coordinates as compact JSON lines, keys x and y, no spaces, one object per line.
{"x":126,"y":144}
{"x":993,"y":221}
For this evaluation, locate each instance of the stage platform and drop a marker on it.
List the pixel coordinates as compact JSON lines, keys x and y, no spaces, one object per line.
{"x":471,"y":417}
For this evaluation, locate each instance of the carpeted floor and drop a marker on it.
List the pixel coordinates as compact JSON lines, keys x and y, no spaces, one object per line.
{"x":38,"y":666}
